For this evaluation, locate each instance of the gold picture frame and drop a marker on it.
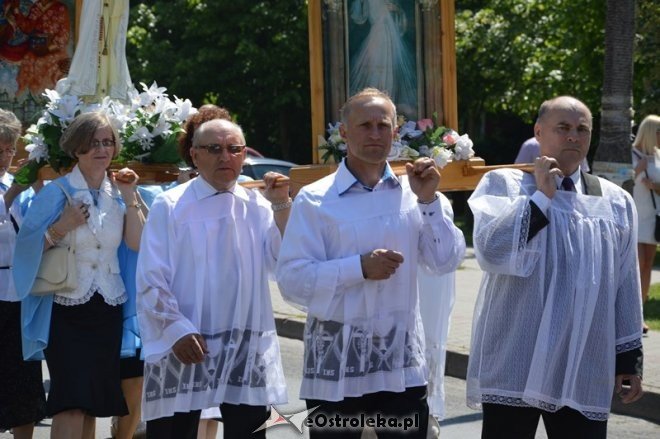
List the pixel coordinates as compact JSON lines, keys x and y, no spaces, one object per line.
{"x":434,"y":54}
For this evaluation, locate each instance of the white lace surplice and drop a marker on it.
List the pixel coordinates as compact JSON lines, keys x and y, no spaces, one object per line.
{"x":203,"y":269}
{"x":362,"y":336}
{"x":553,"y":313}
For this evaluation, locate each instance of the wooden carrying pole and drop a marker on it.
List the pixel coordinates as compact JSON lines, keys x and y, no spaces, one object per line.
{"x":462,"y":175}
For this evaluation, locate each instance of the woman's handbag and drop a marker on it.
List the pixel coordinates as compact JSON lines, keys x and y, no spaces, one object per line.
{"x":57,"y":271}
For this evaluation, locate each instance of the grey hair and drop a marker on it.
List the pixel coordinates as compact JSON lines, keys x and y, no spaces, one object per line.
{"x":10,"y":127}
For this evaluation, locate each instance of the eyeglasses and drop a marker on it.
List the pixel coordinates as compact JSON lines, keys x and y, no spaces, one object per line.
{"x":106,"y":143}
{"x":214,"y":148}
{"x":8,"y":152}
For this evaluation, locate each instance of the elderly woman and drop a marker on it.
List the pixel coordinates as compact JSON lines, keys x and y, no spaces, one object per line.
{"x":22,"y":398}
{"x":646,"y":161}
{"x":80,"y":332}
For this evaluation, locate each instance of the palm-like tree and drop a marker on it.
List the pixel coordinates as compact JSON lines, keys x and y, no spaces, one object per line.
{"x":616,"y":104}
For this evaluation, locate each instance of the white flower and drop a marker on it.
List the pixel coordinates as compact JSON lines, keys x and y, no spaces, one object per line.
{"x":143,"y":137}
{"x":441,"y":156}
{"x":395,"y":152}
{"x":162,"y":127}
{"x":151,"y":94}
{"x":336,"y":139}
{"x":463,"y":149}
{"x":184,"y":109}
{"x":67,"y":109}
{"x":409,"y":152}
{"x":165,"y":107}
{"x":53,"y":98}
{"x":45,"y":119}
{"x":408,"y":130}
{"x":37,"y":148}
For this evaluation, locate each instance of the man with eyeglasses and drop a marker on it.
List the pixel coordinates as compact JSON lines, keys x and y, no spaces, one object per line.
{"x":557,"y":325}
{"x":203,"y":298}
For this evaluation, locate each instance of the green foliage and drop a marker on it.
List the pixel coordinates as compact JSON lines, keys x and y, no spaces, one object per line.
{"x":250,"y":57}
{"x":652,"y":308}
{"x":647,"y":60}
{"x":514,"y":54}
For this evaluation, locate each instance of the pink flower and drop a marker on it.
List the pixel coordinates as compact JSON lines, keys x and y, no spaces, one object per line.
{"x":450,"y":138}
{"x":423,"y":124}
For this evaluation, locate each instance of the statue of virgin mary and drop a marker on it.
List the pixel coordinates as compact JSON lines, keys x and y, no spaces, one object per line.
{"x":99,"y":66}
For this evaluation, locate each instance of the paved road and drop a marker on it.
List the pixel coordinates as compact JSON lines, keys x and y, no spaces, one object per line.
{"x":461,"y":422}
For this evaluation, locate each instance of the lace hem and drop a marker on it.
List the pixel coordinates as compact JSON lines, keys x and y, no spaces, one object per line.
{"x":504,"y":400}
{"x":543,"y":405}
{"x":629,"y":346}
{"x":66,"y":301}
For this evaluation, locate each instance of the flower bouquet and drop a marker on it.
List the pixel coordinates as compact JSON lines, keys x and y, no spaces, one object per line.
{"x":423,"y":138}
{"x":148,"y":126}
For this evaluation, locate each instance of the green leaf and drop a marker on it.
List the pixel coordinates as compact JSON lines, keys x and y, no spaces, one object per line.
{"x":27,"y":174}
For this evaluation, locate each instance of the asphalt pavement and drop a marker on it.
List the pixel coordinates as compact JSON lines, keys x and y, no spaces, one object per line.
{"x":290,"y":323}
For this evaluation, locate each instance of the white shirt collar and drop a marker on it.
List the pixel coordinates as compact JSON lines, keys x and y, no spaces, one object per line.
{"x":77,"y":181}
{"x":345,"y":178}
{"x":577,"y":181}
{"x":203,"y":189}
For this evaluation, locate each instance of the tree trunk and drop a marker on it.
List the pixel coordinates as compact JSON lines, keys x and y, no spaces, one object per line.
{"x":616,"y":110}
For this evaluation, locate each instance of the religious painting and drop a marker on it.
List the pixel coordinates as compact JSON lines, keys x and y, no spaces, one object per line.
{"x":36,"y":47}
{"x":405,"y":47}
{"x":381,"y":39}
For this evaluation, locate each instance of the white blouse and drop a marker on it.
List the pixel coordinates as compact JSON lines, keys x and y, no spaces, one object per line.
{"x":552,"y":313}
{"x":7,"y":241}
{"x":96,"y":244}
{"x":362,"y":336}
{"x":203,"y":268}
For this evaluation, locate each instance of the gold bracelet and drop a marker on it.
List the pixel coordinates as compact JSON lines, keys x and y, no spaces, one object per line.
{"x":55,"y":234}
{"x":135,"y":204}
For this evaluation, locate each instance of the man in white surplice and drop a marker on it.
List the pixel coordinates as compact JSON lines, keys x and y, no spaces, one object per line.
{"x":203,"y":299}
{"x":350,"y":258}
{"x":557,"y":325}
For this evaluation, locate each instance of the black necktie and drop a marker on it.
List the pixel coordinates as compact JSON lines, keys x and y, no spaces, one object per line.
{"x":568,"y":185}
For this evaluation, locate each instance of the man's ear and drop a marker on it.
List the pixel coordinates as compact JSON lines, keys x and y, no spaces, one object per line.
{"x":193,"y":156}
{"x":537,"y":130}
{"x":342,"y":131}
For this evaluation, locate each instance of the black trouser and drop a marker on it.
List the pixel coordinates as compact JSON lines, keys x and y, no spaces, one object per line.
{"x":346,"y":418}
{"x":177,"y":426}
{"x":239,"y":421}
{"x":504,"y":422}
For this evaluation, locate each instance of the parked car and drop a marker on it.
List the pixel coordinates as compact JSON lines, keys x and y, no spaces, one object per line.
{"x":256,"y":167}
{"x":251,"y":152}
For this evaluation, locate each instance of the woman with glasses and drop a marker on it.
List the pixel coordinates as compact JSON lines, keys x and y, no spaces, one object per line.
{"x":22,"y":398}
{"x":80,"y":333}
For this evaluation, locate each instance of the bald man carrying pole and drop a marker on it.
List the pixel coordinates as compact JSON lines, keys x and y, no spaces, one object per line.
{"x":557,"y":325}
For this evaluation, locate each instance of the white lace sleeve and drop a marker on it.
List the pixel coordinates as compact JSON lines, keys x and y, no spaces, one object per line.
{"x":501,"y":225}
{"x":628,"y":306}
